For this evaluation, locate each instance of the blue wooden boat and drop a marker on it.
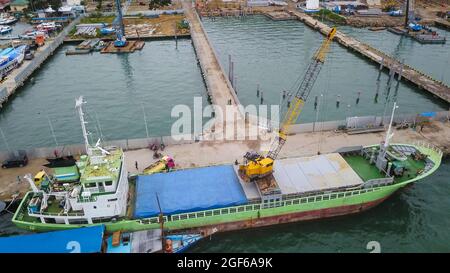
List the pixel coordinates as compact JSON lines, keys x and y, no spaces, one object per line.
{"x":180,"y":243}
{"x":149,"y":241}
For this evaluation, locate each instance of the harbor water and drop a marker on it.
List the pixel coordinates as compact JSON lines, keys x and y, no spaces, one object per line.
{"x":273,"y":55}
{"x":432,"y":59}
{"x":116,"y":88}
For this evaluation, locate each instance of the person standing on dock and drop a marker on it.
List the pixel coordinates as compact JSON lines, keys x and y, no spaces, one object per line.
{"x":136,"y":164}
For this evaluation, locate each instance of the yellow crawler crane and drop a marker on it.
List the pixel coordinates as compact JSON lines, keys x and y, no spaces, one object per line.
{"x":257,"y":166}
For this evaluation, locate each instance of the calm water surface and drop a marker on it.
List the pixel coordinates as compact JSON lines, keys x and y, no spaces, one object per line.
{"x":115,"y":88}
{"x":275,"y":54}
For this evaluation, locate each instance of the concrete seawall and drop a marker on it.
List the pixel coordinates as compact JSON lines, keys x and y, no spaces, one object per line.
{"x":143,"y":143}
{"x":19,"y":75}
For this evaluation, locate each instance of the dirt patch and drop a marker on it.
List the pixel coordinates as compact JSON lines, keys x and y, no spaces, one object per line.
{"x":9,"y":182}
{"x":432,"y":128}
{"x":163,"y":25}
{"x":378,"y":21}
{"x":253,"y":145}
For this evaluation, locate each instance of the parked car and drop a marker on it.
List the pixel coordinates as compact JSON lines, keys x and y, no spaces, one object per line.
{"x":29,"y":55}
{"x":17,"y":159}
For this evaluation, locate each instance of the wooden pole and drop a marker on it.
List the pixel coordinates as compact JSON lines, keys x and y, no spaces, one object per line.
{"x":161,"y":222}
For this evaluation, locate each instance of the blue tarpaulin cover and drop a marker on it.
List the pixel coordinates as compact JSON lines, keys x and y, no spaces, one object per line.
{"x":188,"y":190}
{"x":79,"y":240}
{"x":428,"y":114}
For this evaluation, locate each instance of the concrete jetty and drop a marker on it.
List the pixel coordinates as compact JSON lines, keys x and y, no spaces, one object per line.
{"x":218,"y":85}
{"x":421,"y":80}
{"x":18,"y":76}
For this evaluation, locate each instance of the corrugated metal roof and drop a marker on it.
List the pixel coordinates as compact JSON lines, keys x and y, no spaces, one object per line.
{"x":79,"y":240}
{"x":316,"y":173}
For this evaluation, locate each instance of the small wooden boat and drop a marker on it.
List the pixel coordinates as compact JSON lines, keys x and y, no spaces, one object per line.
{"x":149,"y":241}
{"x":5,"y":30}
{"x":397,"y":30}
{"x":180,"y":243}
{"x":77,"y":51}
{"x":376,"y":28}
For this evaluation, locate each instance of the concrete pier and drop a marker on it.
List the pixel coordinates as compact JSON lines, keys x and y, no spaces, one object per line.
{"x":408,"y":73}
{"x":18,"y":76}
{"x":218,"y":85}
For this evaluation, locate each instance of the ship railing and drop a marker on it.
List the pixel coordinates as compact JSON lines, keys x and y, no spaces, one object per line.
{"x":54,"y":214}
{"x":378,"y":182}
{"x":87,"y":199}
{"x":428,"y":145}
{"x":259,"y":207}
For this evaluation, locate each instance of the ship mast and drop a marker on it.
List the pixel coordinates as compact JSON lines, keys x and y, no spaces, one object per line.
{"x":79,"y":105}
{"x":389,"y":135}
{"x":381,"y":160}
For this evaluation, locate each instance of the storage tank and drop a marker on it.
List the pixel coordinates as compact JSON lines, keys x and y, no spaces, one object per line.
{"x":312,"y":4}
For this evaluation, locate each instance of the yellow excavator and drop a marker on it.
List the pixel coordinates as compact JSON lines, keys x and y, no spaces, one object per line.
{"x":255,"y":165}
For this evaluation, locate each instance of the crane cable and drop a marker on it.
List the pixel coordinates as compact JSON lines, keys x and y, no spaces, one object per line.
{"x":323,"y":105}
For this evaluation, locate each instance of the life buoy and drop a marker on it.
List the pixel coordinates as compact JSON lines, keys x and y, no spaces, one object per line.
{"x":168,"y":248}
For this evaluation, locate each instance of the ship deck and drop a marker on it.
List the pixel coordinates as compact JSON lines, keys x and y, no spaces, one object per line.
{"x":308,"y":174}
{"x":369,"y":171}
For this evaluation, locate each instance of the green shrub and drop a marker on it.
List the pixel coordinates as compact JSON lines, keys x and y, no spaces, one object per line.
{"x":331,"y":16}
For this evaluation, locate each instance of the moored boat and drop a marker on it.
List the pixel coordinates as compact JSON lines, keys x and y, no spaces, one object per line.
{"x":149,"y":241}
{"x":5,"y":30}
{"x":11,"y":58}
{"x":8,"y":20}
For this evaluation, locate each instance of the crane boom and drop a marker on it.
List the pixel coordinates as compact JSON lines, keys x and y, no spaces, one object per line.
{"x":257,"y":166}
{"x":118,"y":23}
{"x":301,"y":95}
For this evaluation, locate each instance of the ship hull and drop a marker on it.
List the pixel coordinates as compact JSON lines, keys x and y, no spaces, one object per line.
{"x":286,"y":218}
{"x":248,"y":219}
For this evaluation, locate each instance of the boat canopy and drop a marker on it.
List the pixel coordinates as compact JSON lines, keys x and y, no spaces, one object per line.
{"x":188,"y":191}
{"x":79,"y":240}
